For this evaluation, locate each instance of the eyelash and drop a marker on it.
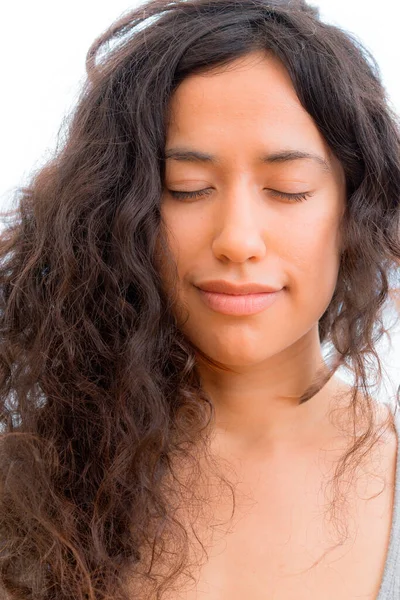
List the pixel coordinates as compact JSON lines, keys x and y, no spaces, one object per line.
{"x":183,"y":195}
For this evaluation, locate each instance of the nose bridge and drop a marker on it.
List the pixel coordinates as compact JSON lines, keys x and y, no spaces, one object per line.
{"x":241,"y":201}
{"x":240,"y":220}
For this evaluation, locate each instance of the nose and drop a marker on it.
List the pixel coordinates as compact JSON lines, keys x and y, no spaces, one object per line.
{"x":239,"y":226}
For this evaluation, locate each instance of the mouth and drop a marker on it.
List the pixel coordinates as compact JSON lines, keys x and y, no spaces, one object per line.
{"x":238,"y":304}
{"x":221,"y":286}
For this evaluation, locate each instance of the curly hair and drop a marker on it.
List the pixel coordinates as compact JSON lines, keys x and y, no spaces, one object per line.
{"x":100,"y":398}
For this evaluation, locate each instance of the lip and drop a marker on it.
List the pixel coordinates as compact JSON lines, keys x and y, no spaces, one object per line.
{"x":225,"y":287}
{"x":238,"y":305}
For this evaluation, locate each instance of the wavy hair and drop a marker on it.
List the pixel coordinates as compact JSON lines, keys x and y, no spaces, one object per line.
{"x":100,"y":399}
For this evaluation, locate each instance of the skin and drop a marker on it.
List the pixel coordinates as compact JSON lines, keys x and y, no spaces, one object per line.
{"x":242,"y":231}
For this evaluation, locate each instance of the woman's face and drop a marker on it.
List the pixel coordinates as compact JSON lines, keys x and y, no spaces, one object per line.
{"x":266,"y":215}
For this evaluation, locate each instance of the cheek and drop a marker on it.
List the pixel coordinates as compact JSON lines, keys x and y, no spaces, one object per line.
{"x":314,"y":260}
{"x":182,"y":239}
{"x":186,"y":231}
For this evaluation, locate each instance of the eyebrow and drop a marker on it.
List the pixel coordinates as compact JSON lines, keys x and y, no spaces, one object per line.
{"x":283,"y":156}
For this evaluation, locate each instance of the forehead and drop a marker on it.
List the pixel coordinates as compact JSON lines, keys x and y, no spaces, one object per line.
{"x":249,"y":104}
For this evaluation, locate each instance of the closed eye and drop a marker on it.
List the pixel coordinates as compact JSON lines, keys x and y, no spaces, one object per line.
{"x":197,"y":193}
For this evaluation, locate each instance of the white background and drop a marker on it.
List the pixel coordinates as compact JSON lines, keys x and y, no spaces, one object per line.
{"x":43,"y":45}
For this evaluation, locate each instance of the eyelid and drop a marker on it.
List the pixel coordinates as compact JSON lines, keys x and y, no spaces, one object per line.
{"x":295,"y":196}
{"x":191,"y":194}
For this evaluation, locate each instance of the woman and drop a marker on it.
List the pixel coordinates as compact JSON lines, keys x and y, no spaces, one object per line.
{"x":225,"y":204}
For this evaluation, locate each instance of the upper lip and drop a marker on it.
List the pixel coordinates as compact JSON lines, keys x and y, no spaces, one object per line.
{"x":226,"y":287}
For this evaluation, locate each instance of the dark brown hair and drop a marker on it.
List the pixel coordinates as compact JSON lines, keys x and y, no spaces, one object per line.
{"x":99,"y":388}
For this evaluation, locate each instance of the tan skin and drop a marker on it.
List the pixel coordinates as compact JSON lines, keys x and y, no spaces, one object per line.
{"x":244,"y":230}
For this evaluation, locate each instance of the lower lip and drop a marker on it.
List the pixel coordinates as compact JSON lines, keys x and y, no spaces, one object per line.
{"x":246,"y":304}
